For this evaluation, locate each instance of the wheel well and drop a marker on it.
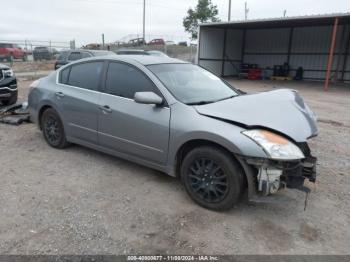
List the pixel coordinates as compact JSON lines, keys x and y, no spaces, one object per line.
{"x":188,"y":146}
{"x":42,"y":110}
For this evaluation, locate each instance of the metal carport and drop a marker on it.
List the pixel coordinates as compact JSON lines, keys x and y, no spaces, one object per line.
{"x":319,"y":44}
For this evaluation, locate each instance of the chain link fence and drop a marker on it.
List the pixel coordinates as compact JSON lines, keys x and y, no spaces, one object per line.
{"x":36,"y":58}
{"x":31,"y":58}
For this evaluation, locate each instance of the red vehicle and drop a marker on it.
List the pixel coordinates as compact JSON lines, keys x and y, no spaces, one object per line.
{"x":10,"y":52}
{"x":157,"y":42}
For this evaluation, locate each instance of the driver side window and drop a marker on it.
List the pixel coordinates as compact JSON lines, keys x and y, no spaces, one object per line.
{"x":125,"y":80}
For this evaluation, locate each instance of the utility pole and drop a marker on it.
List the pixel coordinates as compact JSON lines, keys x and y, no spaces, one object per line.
{"x":246,"y":11}
{"x":229,"y":10}
{"x":144,"y":20}
{"x":103,"y":41}
{"x":284,"y":13}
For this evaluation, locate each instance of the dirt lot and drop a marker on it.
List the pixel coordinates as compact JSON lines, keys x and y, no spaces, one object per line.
{"x":31,"y":66}
{"x":79,"y":201}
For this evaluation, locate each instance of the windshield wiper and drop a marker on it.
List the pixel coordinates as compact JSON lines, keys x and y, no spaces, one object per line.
{"x":200,"y":103}
{"x":209,"y":102}
{"x":226,"y":98}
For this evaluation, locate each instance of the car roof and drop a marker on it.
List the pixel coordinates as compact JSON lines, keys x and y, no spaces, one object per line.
{"x":141,"y":59}
{"x":131,"y":50}
{"x":151,"y":60}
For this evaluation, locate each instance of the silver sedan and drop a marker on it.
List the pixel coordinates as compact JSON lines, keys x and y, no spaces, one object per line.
{"x":182,"y":120}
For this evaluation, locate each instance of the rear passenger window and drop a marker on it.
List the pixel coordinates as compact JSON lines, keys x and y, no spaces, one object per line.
{"x":86,"y":55}
{"x":74,"y":56}
{"x":86,"y":75}
{"x":124,"y":80}
{"x":64,"y":76}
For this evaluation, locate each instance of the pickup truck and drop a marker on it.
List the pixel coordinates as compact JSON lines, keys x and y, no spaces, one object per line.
{"x":10,"y":52}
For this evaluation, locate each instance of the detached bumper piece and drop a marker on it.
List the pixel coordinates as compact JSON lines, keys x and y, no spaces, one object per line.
{"x":15,"y":114}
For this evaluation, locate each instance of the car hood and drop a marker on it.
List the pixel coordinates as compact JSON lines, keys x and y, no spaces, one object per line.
{"x":280,"y":110}
{"x":2,"y":66}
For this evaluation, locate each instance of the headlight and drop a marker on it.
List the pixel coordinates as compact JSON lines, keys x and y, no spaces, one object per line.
{"x":8,"y":73}
{"x":276,"y":147}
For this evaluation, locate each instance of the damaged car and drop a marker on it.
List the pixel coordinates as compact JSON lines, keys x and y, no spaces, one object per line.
{"x":182,"y":120}
{"x":8,"y":86}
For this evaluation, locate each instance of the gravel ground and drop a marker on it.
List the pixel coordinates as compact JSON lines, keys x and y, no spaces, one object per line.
{"x":31,"y":66}
{"x":78,"y":201}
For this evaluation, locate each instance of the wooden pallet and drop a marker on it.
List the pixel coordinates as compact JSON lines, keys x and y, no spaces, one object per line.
{"x":281,"y":78}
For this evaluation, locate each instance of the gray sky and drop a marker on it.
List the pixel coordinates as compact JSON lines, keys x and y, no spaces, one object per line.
{"x":85,"y":20}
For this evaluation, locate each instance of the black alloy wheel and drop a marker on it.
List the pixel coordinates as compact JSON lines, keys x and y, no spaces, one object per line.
{"x":207,"y":180}
{"x":53,"y":130}
{"x":212,"y":177}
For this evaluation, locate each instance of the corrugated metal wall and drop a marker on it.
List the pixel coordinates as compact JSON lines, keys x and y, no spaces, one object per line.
{"x":268,"y":47}
{"x":211,"y":49}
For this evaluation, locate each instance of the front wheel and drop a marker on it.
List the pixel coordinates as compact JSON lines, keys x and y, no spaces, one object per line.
{"x":53,"y":130}
{"x":212,"y":178}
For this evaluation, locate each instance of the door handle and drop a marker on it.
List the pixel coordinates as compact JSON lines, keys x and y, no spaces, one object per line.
{"x":59,"y":95}
{"x":105,"y":109}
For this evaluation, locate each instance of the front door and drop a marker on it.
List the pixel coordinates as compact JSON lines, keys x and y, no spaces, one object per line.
{"x":128,"y":127}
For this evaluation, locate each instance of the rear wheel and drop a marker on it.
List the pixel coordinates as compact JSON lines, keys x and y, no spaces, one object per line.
{"x":212,"y":178}
{"x":53,"y":130}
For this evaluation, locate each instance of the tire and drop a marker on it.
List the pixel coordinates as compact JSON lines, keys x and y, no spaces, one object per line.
{"x":11,"y":101}
{"x":53,"y":130}
{"x":217,"y":186}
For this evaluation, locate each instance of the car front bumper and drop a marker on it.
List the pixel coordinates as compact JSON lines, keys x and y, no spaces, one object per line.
{"x":267,"y":177}
{"x":8,"y":88}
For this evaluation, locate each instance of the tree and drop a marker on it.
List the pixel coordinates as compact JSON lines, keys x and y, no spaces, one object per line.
{"x":204,"y":12}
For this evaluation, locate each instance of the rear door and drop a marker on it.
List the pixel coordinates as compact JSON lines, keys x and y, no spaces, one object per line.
{"x":78,"y":99}
{"x":126,"y":126}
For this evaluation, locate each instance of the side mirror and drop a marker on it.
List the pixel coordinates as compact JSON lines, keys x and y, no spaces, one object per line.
{"x":148,"y":98}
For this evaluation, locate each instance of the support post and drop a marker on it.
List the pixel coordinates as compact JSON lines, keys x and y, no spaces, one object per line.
{"x":224,"y":53}
{"x":290,"y":42}
{"x":340,"y":54}
{"x":346,"y":54}
{"x":229,"y":10}
{"x":144,"y":21}
{"x":243,"y":45}
{"x":331,"y":53}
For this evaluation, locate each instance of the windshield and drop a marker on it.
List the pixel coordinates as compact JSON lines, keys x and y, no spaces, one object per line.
{"x":192,"y":84}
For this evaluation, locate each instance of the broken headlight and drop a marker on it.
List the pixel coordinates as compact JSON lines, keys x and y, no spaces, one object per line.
{"x":8,"y":73}
{"x":275,"y":146}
